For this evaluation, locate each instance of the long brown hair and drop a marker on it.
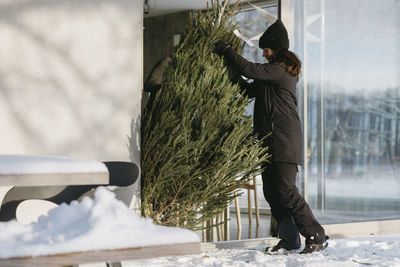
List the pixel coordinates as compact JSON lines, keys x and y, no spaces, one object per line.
{"x":287,"y":59}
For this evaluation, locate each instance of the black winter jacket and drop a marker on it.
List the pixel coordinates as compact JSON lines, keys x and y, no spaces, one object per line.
{"x":274,"y":91}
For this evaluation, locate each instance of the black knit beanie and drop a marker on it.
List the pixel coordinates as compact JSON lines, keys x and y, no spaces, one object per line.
{"x":275,"y":36}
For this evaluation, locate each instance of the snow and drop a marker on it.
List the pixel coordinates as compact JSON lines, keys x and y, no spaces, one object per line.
{"x":23,"y":164}
{"x":93,"y":224}
{"x":372,"y":251}
{"x":106,"y":223}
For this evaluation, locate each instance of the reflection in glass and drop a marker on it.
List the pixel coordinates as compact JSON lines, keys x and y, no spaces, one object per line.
{"x":353,"y":106}
{"x":251,"y":24}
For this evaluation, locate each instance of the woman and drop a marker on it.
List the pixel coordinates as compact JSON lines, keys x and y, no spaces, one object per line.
{"x":274,"y":89}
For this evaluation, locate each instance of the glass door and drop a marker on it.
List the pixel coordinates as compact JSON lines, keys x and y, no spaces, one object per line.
{"x":350,"y":105}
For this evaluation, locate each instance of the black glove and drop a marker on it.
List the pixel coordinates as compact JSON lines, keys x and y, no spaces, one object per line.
{"x":219,"y":47}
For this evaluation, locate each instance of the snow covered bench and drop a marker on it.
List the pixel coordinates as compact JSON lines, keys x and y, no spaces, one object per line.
{"x":112,"y":257}
{"x":39,"y":183}
{"x":25,"y":177}
{"x":27,"y":170}
{"x":102,"y":229}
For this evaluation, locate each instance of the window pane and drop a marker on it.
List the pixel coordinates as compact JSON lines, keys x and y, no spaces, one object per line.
{"x":352,"y":54}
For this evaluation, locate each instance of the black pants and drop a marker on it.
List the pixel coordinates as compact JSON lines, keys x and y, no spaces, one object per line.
{"x":285,"y":201}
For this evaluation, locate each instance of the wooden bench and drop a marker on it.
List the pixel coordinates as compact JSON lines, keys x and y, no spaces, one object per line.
{"x":113,"y":257}
{"x":33,"y":173}
{"x":39,"y":177}
{"x":26,"y":170}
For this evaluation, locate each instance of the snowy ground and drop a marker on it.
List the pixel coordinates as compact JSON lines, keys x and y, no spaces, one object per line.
{"x":363,"y":251}
{"x":106,"y":223}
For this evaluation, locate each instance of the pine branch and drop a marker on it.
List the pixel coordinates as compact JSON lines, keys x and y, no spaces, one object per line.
{"x":221,"y":13}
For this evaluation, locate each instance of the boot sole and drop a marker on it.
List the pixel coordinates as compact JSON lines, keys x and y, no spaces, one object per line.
{"x":323,"y":246}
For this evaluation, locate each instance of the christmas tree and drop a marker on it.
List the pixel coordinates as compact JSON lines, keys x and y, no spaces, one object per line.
{"x":198,"y":146}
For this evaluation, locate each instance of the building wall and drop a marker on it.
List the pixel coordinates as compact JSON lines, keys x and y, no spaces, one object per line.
{"x":71,"y":78}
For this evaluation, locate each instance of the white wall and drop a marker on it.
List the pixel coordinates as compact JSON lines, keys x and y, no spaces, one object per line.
{"x":71,"y":77}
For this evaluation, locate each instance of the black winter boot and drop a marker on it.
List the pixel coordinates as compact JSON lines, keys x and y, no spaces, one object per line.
{"x":314,"y":247}
{"x":276,"y":249}
{"x":289,"y":235}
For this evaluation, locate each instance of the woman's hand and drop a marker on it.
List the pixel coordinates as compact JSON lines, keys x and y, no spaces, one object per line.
{"x":219,"y":47}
